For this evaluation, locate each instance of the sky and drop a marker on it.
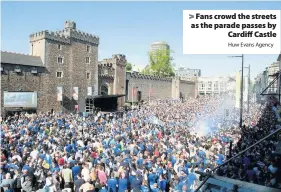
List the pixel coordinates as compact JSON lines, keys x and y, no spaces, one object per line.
{"x":127,"y":28}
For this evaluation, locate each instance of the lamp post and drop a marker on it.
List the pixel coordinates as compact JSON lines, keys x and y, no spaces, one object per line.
{"x":249,"y":83}
{"x":248,"y":94}
{"x":241,"y":89}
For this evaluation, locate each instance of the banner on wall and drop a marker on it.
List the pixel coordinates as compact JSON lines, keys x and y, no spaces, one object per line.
{"x":59,"y":93}
{"x":89,"y":91}
{"x":75,"y":93}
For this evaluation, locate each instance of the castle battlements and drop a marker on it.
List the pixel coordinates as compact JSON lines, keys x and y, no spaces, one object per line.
{"x":65,"y":35}
{"x":117,"y":59}
{"x":149,"y":77}
{"x":86,"y":37}
{"x":49,"y":35}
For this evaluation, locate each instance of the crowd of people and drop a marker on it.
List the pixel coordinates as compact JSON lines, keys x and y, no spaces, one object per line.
{"x":160,"y":147}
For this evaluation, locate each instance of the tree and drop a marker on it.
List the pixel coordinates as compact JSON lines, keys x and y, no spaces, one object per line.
{"x":146,"y":70}
{"x":160,"y":63}
{"x":128,"y":66}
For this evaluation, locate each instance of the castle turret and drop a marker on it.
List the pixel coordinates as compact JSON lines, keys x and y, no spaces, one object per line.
{"x":70,"y":25}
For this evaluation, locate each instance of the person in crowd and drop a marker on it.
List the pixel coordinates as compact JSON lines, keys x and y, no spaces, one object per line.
{"x":86,"y":186}
{"x":8,"y":182}
{"x":78,"y":182}
{"x":159,"y":147}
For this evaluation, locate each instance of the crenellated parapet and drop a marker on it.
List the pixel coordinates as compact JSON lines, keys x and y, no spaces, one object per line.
{"x":187,"y":82}
{"x":117,"y":59}
{"x":106,"y":76}
{"x":66,"y":35}
{"x":106,"y":69}
{"x":86,"y":37}
{"x":135,"y":75}
{"x":60,"y":37}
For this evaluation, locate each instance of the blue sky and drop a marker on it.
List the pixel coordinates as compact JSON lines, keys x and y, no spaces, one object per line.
{"x":127,"y":28}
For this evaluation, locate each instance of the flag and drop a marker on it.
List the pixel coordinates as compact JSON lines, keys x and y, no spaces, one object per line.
{"x":89,"y":91}
{"x":59,"y":94}
{"x":154,"y":120}
{"x":150,"y":92}
{"x":75,"y":93}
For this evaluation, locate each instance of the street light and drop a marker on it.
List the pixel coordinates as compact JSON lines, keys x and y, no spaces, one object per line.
{"x":249,"y":83}
{"x":241,"y":90}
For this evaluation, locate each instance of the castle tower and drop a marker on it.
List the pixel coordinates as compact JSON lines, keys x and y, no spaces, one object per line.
{"x":70,"y":25}
{"x":71,"y":58}
{"x":119,"y":84}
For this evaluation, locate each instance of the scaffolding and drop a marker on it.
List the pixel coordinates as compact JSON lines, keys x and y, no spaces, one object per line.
{"x":271,"y":86}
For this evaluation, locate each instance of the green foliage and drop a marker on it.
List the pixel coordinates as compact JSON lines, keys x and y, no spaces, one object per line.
{"x":160,"y":63}
{"x":128,"y":66}
{"x":146,"y":70}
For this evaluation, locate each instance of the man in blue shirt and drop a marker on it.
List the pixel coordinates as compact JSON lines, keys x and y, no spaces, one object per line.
{"x":112,"y":184}
{"x":76,"y":170}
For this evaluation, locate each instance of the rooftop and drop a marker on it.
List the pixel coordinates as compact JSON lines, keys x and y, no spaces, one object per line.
{"x":159,"y":43}
{"x":20,"y":59}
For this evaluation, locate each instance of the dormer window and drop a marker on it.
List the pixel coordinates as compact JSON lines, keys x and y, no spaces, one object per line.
{"x":17,"y":69}
{"x":34,"y":70}
{"x":59,"y":46}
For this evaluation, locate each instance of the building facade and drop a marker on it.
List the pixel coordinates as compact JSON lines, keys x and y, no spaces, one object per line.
{"x":140,"y":87}
{"x":215,"y":85}
{"x":186,"y":72}
{"x":273,"y":69}
{"x":159,"y":46}
{"x":63,"y":69}
{"x":67,"y":65}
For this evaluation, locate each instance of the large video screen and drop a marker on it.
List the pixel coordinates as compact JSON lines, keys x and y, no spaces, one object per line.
{"x":20,"y":99}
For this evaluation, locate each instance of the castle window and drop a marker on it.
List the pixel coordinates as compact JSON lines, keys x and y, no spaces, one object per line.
{"x":17,"y":69}
{"x":87,"y":60}
{"x":59,"y":46}
{"x":59,"y":74}
{"x":88,"y":48}
{"x":60,"y":60}
{"x":88,"y":75}
{"x":34,"y":70}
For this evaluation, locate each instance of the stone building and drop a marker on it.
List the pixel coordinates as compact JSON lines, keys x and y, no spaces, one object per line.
{"x":112,"y":77}
{"x":64,"y":71}
{"x":65,"y":61}
{"x":215,"y":85}
{"x":147,"y":87}
{"x":21,"y":72}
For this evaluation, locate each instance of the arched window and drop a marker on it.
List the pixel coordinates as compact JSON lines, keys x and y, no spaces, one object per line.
{"x":104,"y":89}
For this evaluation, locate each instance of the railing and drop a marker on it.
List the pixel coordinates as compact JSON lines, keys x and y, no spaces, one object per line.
{"x":209,"y":174}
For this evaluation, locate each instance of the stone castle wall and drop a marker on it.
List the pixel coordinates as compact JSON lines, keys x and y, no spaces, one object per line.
{"x":23,"y":81}
{"x":153,"y":87}
{"x":160,"y":87}
{"x":73,"y":49}
{"x":71,"y":45}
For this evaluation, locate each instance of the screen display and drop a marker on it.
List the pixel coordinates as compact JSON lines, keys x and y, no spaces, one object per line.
{"x":20,"y":99}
